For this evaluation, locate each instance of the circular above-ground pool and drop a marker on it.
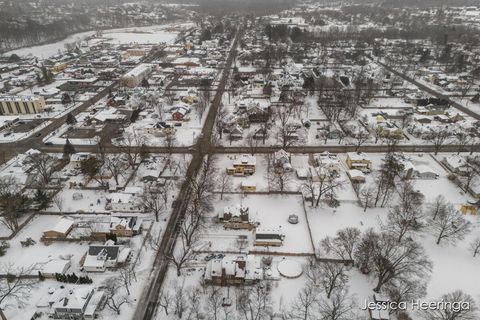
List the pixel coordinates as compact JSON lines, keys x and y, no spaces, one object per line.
{"x":290,"y":269}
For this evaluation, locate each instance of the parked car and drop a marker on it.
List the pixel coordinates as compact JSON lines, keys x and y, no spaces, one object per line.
{"x":210,"y":256}
{"x":293,"y":219}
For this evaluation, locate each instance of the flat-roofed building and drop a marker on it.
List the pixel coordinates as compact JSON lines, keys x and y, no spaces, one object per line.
{"x":21,"y":104}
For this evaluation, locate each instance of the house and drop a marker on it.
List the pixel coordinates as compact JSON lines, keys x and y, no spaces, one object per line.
{"x":101,"y":257}
{"x":335,"y":134}
{"x":422,"y":171}
{"x":236,"y":217}
{"x":76,"y":159}
{"x":456,"y":163}
{"x":356,"y":176}
{"x":108,"y":115}
{"x":470,"y":208}
{"x":134,"y":77}
{"x":125,"y":226}
{"x":55,"y":266}
{"x":248,"y":185}
{"x":303,"y":173}
{"x":75,"y":303}
{"x":358,"y":160}
{"x":236,"y":132}
{"x":59,"y":67}
{"x":282,"y":161}
{"x":160,"y":129}
{"x":329,"y":161}
{"x":60,"y":230}
{"x":244,"y":165}
{"x":268,"y":237}
{"x":119,"y":225}
{"x":122,"y":202}
{"x":256,"y":114}
{"x":239,"y":270}
{"x":178,"y":114}
{"x":260,"y":134}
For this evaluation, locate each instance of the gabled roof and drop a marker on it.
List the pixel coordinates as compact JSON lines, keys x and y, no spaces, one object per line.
{"x":112,"y":251}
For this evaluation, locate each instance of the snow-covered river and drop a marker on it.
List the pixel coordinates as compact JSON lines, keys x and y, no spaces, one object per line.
{"x":141,"y":35}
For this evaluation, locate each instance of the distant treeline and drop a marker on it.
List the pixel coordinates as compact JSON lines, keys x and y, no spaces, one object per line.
{"x":420,"y":3}
{"x":16,"y":34}
{"x":257,"y":7}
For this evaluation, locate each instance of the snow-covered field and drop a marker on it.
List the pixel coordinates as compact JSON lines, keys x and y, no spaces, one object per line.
{"x":142,"y":35}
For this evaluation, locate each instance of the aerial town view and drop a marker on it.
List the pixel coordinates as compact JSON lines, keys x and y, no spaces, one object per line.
{"x":240,"y":159}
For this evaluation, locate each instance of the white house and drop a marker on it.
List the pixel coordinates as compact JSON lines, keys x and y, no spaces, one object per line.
{"x":101,"y":257}
{"x":74,"y":302}
{"x":422,"y":171}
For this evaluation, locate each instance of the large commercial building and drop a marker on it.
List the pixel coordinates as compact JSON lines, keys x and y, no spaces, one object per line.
{"x":21,"y":104}
{"x":134,"y":77}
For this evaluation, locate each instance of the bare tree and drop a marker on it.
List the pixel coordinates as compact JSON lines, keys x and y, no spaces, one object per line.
{"x":214,"y":302}
{"x":385,"y":179}
{"x":388,"y":259}
{"x":43,"y":166}
{"x":194,"y":303}
{"x":169,"y":142}
{"x":463,"y":139}
{"x":470,"y":175}
{"x":126,"y":275}
{"x":343,"y":245}
{"x":16,"y":286}
{"x":286,"y":132}
{"x":475,"y":247}
{"x":179,"y":301}
{"x":153,"y":201}
{"x":253,"y":302}
{"x":13,"y":203}
{"x":437,"y":207}
{"x":449,"y":225}
{"x":400,"y":290}
{"x":339,"y":307}
{"x":130,"y":147}
{"x":225,"y":183}
{"x":221,"y":121}
{"x":334,"y":277}
{"x":116,"y":166}
{"x":279,"y":179}
{"x":405,"y":216}
{"x":114,"y":298}
{"x":438,"y":137}
{"x":360,"y":138}
{"x":93,"y":168}
{"x":182,"y":253}
{"x":252,"y":143}
{"x":321,"y":183}
{"x":164,"y":301}
{"x":305,"y":305}
{"x":453,"y":300}
{"x":58,"y":201}
{"x":367,"y":197}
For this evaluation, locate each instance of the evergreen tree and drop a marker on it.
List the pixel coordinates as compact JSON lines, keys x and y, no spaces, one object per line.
{"x":42,"y":199}
{"x":68,"y":149}
{"x":70,"y":119}
{"x":47,"y":75}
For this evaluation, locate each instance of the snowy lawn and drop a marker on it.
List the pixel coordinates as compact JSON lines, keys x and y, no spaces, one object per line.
{"x":271,"y":211}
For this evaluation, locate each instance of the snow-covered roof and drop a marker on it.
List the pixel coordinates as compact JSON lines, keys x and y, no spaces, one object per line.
{"x":358,"y":156}
{"x":63,"y":225}
{"x":245,"y":159}
{"x":56,"y":266}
